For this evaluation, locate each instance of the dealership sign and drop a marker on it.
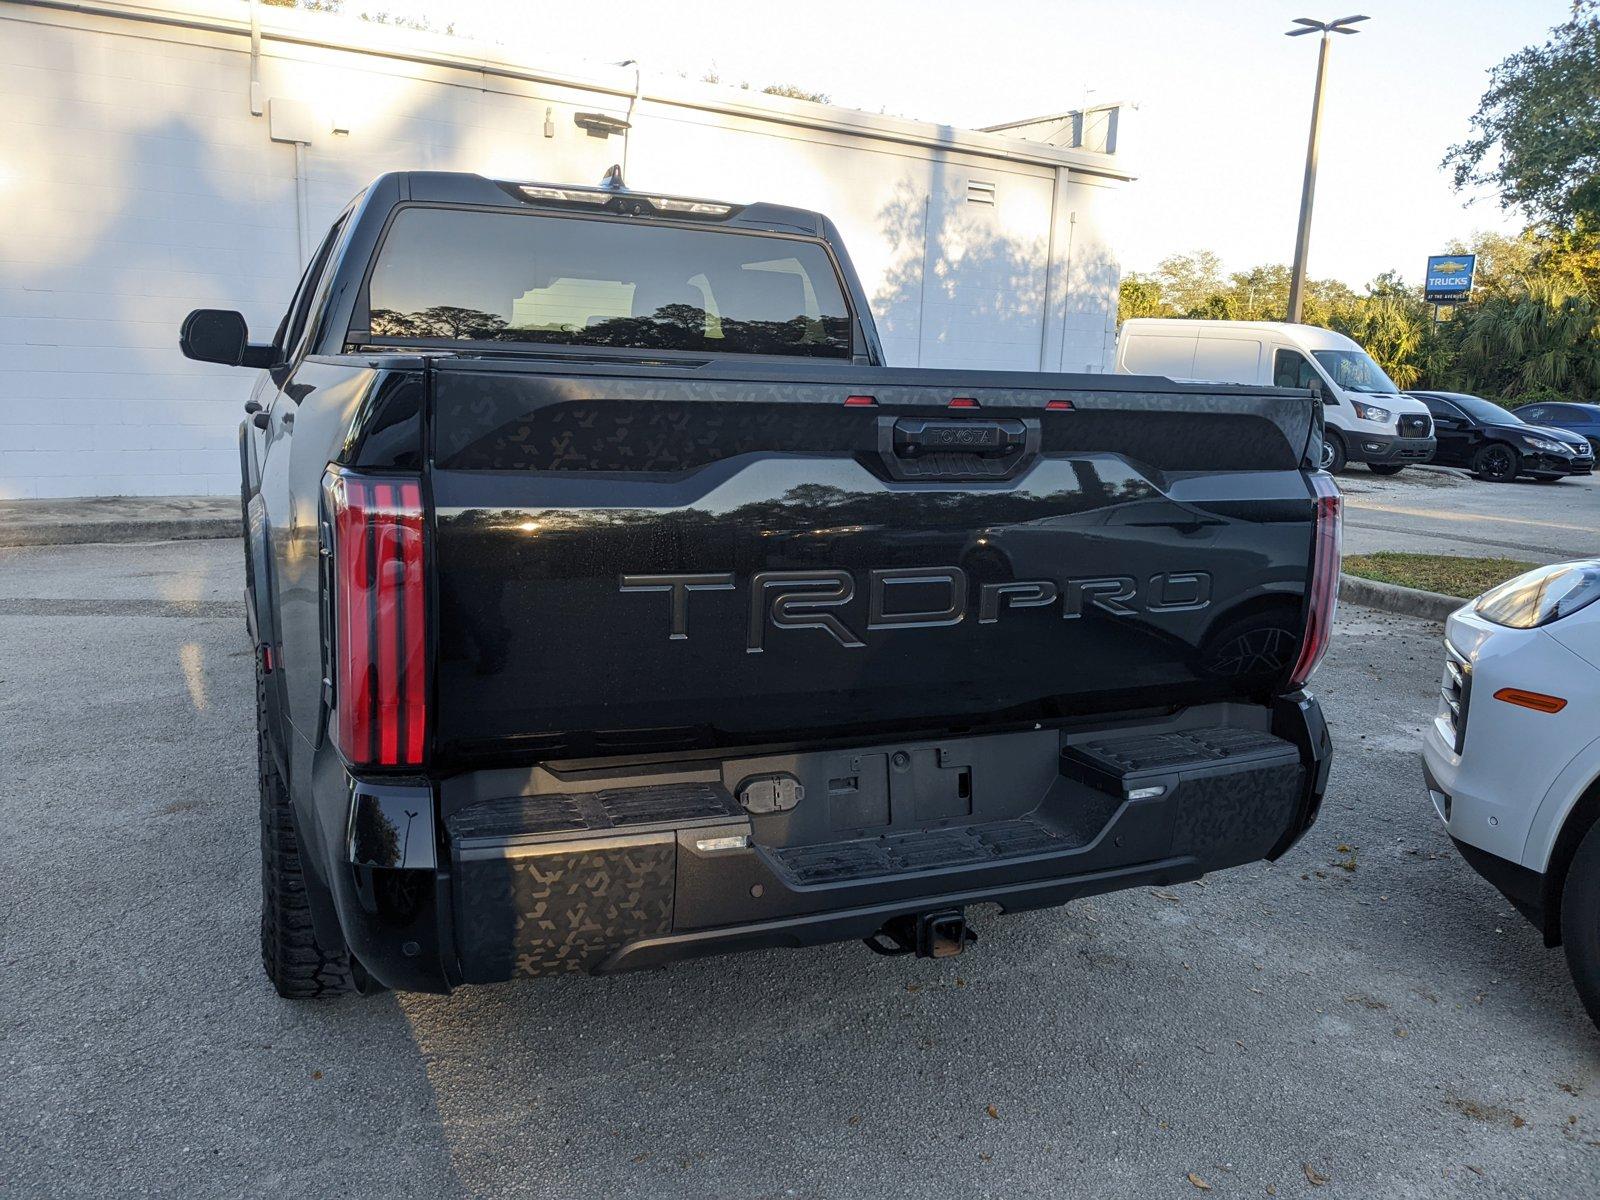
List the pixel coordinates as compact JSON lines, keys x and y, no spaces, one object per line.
{"x":1449,"y":278}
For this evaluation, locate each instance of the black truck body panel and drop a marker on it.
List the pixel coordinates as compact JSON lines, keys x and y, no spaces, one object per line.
{"x":556,"y":513}
{"x":729,"y":651}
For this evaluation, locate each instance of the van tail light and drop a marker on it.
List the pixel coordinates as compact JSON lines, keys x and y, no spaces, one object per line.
{"x":378,"y":650}
{"x":1323,"y":595}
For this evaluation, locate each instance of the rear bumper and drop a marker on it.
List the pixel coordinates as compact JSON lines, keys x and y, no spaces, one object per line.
{"x":537,"y":885}
{"x":1387,"y":448}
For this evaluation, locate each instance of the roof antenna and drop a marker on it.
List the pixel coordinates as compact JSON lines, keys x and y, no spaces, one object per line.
{"x":612,"y":180}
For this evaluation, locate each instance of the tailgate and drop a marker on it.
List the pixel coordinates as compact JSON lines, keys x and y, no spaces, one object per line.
{"x":632,"y":563}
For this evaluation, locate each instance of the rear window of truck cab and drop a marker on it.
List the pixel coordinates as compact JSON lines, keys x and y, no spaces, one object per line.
{"x":463,"y":275}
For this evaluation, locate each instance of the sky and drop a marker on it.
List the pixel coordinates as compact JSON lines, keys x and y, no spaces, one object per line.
{"x":1223,"y":98}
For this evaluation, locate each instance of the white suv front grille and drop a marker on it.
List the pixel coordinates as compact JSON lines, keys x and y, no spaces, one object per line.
{"x":1455,"y":690}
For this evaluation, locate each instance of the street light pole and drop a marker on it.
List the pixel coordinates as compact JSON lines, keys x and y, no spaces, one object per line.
{"x":1302,"y":241}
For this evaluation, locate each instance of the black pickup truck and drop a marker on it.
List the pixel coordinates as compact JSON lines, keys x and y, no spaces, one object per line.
{"x":614,"y":603}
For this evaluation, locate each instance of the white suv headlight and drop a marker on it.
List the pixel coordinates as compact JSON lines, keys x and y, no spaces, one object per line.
{"x":1371,"y":412}
{"x":1541,"y":596}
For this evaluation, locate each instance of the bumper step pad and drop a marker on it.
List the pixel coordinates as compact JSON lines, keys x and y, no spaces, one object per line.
{"x":602,"y":811}
{"x":1233,"y":790}
{"x":904,"y":853}
{"x":1118,"y":765}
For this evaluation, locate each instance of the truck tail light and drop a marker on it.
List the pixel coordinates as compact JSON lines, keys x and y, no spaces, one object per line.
{"x":378,"y":655}
{"x":1323,"y":596}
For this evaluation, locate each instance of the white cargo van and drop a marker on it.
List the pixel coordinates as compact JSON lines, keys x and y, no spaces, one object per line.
{"x":1366,"y":418}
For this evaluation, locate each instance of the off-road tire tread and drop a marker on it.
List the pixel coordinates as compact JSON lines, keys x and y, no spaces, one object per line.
{"x":298,"y":966}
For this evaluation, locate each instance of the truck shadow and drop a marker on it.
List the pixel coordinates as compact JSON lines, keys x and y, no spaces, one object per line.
{"x":823,"y":1071}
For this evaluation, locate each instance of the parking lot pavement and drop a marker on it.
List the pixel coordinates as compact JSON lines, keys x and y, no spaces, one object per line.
{"x":1441,"y":510}
{"x":1366,"y":1012}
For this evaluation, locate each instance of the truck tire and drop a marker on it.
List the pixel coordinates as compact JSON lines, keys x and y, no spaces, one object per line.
{"x":1497,"y":463}
{"x":298,"y":966}
{"x":1580,"y":921}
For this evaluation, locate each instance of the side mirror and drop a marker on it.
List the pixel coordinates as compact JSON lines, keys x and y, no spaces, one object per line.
{"x":220,"y":335}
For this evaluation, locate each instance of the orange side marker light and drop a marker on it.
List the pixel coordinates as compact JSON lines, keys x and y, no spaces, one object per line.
{"x":1537,"y":701}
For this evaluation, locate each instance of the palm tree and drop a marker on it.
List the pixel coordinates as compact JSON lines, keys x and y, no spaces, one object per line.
{"x":1393,"y":325}
{"x":1547,"y":337}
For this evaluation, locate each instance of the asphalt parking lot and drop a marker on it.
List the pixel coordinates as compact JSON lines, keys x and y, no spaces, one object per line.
{"x":1442,"y":510}
{"x":1365,"y":1017}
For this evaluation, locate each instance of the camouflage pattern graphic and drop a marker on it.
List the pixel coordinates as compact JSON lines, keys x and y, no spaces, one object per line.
{"x":563,"y":909}
{"x":1225,"y":820}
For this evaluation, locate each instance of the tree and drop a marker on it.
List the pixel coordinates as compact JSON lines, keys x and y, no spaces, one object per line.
{"x":1505,"y":262}
{"x":1262,"y":293}
{"x":1546,"y":339}
{"x":1188,"y":281}
{"x":1141,"y":297}
{"x":1394,"y":326}
{"x":1192,"y":285}
{"x":1536,"y":134}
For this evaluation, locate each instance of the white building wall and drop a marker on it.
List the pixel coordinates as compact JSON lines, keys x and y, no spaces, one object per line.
{"x":137,"y":185}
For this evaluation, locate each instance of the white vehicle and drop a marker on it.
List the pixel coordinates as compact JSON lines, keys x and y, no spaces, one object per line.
{"x":1366,"y":418}
{"x":1512,"y":760}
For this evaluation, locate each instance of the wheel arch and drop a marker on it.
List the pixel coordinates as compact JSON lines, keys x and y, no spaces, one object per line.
{"x":1332,"y":433}
{"x":1490,"y":443}
{"x":1580,"y":816}
{"x":261,"y":621}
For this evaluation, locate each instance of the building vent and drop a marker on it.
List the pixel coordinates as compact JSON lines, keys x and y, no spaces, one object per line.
{"x":979,"y":192}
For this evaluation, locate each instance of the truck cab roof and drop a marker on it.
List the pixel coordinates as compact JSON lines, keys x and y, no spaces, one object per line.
{"x":610,"y":198}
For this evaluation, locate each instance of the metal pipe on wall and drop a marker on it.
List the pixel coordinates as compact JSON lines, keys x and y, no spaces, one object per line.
{"x":302,"y":204}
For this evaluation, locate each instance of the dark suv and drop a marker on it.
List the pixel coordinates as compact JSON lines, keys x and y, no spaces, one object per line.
{"x":1496,"y":444}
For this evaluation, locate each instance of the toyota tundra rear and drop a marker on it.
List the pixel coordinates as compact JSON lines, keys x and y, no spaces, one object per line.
{"x":614,"y":603}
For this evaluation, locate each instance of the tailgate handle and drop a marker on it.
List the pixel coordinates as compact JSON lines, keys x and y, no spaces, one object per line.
{"x":944,"y":435}
{"x":956,"y":447}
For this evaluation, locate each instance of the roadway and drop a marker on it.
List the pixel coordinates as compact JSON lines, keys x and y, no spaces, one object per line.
{"x":1440,"y":510}
{"x":1365,"y":1017}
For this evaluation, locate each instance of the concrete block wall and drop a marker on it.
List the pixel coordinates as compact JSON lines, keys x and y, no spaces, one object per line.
{"x":137,"y":185}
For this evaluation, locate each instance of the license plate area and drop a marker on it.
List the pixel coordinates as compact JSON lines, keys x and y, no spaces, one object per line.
{"x":895,"y":788}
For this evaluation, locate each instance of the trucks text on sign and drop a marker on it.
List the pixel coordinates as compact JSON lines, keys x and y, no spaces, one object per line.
{"x":1449,"y":278}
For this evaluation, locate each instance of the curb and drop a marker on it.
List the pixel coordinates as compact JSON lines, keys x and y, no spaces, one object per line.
{"x":150,"y":530}
{"x":1391,"y":597}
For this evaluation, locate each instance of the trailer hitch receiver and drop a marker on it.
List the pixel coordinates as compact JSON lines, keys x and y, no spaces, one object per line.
{"x":941,"y":934}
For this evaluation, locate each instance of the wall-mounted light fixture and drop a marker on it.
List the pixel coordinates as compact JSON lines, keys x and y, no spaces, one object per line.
{"x":599,"y":125}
